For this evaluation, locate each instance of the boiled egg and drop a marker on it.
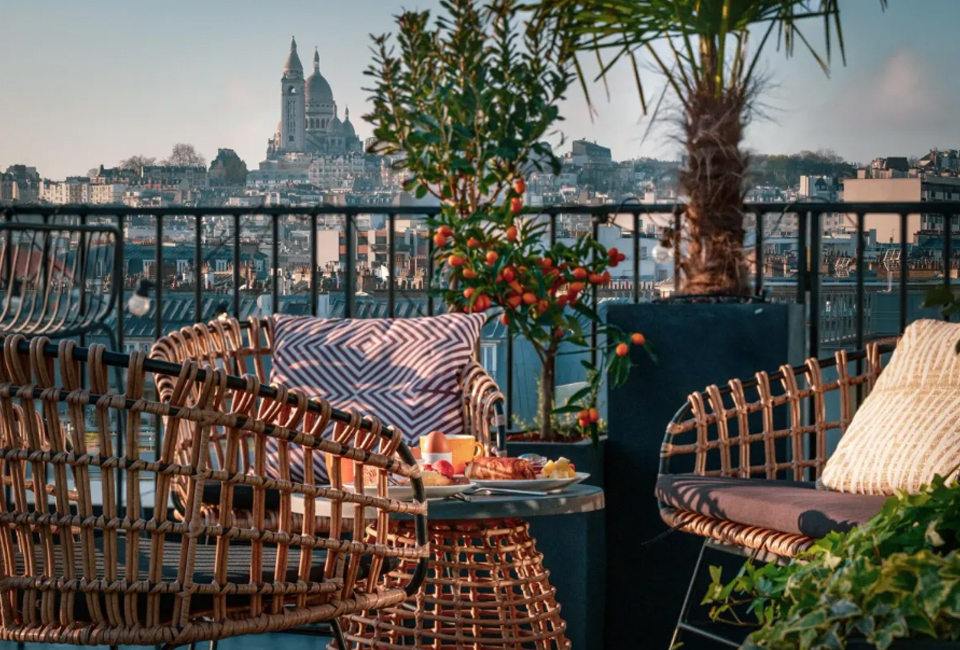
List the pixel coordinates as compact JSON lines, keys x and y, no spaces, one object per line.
{"x":435,"y":442}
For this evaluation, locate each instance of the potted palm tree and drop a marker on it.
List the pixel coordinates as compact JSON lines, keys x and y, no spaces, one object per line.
{"x":707,"y":52}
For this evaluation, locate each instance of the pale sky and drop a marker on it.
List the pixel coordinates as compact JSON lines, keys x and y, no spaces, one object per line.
{"x":85,"y":83}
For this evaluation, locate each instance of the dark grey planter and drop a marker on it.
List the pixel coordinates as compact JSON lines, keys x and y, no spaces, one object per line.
{"x":697,"y":345}
{"x":574,"y":546}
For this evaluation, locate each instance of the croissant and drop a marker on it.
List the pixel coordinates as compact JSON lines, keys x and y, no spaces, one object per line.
{"x":500,"y":469}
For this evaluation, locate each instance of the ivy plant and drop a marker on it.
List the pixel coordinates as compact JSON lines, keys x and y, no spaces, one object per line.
{"x":895,"y":577}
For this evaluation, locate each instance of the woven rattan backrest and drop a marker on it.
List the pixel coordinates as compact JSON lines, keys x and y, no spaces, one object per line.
{"x":764,"y":430}
{"x":80,"y":567}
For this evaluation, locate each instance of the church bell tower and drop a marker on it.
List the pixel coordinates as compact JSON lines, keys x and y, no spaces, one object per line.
{"x":293,"y":107}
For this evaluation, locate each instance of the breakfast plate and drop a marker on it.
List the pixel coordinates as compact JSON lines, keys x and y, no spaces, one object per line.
{"x":534,"y":484}
{"x":405,"y":492}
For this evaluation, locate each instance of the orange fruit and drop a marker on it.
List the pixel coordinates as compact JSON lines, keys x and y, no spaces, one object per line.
{"x":492,"y":257}
{"x":583,"y":415}
{"x":512,"y":233}
{"x":594,"y":415}
{"x":623,"y":350}
{"x":576,"y":287}
{"x":505,"y":319}
{"x":456,"y":260}
{"x":580,"y":273}
{"x":529,"y":298}
{"x":509,"y":274}
{"x":637,"y":338}
{"x":440,"y":240}
{"x":469,"y":273}
{"x":468,"y":292}
{"x":446,"y":231}
{"x":473,"y":242}
{"x":514,"y":301}
{"x":519,"y":186}
{"x":516,"y":204}
{"x":596,"y":278}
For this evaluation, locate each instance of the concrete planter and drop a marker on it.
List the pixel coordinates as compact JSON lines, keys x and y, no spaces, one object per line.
{"x":574,"y":546}
{"x":697,"y":345}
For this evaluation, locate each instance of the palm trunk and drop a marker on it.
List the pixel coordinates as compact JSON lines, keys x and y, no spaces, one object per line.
{"x":548,"y":383}
{"x":713,"y":183}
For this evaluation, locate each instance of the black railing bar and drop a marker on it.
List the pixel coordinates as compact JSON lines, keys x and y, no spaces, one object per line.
{"x":82,"y":253}
{"x":121,"y":309}
{"x":314,"y":252}
{"x":947,"y":252}
{"x":677,"y":249}
{"x":636,"y":259}
{"x":904,"y":271}
{"x":275,"y":262}
{"x":236,"y":265}
{"x":391,"y":266}
{"x":158,"y":261}
{"x":758,"y":256}
{"x":814,"y":276}
{"x":430,"y":270}
{"x":509,"y":380}
{"x":870,"y":207}
{"x":594,"y":337}
{"x":198,"y":278}
{"x":350,"y":272}
{"x":122,"y":361}
{"x":860,"y":272}
{"x":802,"y":257}
{"x":861,"y":264}
{"x":553,"y":229}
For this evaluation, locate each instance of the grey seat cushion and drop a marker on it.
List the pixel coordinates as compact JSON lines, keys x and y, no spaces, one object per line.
{"x":785,"y":506}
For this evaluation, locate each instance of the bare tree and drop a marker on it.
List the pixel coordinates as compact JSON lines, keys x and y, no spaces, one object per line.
{"x":186,"y":155}
{"x":137,"y":163}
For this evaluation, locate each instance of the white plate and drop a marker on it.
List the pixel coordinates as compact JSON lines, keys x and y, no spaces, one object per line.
{"x":537,"y":484}
{"x":405,"y":492}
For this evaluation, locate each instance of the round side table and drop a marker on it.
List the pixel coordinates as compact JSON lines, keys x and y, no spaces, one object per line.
{"x":487,"y":588}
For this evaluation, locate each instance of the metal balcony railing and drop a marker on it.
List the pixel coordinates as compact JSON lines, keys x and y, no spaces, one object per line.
{"x":844,"y":307}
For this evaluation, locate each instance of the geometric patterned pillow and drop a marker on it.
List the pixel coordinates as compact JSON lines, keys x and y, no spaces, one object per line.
{"x":403,"y":370}
{"x":908,"y":429}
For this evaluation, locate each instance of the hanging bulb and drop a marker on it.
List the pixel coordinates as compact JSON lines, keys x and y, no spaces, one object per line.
{"x":661,"y":254}
{"x":221,"y":312}
{"x":139,"y":303}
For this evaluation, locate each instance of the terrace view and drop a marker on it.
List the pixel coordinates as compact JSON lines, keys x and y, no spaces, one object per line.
{"x":487,"y":362}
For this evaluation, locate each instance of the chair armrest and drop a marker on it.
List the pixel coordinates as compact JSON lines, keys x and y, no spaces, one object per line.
{"x":483,"y":407}
{"x":773,"y":425}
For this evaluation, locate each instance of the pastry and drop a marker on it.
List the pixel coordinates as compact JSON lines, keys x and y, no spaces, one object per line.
{"x":500,"y":469}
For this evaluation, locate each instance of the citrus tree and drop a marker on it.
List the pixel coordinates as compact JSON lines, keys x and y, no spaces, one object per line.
{"x":468,"y":101}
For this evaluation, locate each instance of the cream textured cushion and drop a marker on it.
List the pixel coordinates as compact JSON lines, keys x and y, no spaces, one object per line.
{"x":908,"y":429}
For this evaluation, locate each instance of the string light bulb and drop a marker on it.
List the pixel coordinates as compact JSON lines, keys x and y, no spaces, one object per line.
{"x":139,"y":303}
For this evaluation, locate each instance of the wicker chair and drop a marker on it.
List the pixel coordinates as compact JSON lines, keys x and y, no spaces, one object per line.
{"x":740,"y":470}
{"x":237,"y":347}
{"x":73,"y":571}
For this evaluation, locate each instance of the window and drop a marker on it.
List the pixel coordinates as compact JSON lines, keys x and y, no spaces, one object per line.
{"x":488,"y":358}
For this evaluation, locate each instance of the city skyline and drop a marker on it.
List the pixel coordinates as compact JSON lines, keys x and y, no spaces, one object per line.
{"x":106,"y":83}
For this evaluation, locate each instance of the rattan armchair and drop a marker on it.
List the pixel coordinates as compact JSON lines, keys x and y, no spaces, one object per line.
{"x":241,"y":347}
{"x":80,"y":572}
{"x":770,"y":437}
{"x":739,"y":466}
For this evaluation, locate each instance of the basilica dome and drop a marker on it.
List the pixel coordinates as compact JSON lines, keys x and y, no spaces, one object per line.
{"x":317,"y":89}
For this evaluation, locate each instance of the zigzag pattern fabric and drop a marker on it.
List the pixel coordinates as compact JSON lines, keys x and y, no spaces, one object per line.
{"x":908,"y":429}
{"x":406,"y":370}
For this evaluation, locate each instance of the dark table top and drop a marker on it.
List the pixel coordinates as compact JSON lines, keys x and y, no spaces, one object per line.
{"x":575,"y":499}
